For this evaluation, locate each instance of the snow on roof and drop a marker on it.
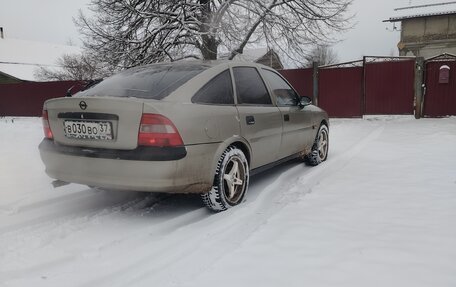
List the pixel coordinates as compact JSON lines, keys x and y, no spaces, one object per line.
{"x":423,"y":9}
{"x":20,"y":58}
{"x":248,"y":55}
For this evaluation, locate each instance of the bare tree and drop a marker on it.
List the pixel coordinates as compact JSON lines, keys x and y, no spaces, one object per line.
{"x":321,"y":54}
{"x":126,"y":33}
{"x":73,"y":67}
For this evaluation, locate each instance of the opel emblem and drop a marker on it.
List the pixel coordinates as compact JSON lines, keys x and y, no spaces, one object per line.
{"x":83,"y":105}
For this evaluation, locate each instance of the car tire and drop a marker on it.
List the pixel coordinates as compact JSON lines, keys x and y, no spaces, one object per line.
{"x":319,"y":152}
{"x":231,"y":181}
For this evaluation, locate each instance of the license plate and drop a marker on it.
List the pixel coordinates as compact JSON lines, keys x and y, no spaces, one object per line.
{"x":88,"y":130}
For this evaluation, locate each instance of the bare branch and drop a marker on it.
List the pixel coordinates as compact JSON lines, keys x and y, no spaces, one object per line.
{"x":126,"y":33}
{"x":74,"y":67}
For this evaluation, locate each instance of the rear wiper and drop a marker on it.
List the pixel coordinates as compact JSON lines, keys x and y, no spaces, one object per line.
{"x":88,"y":85}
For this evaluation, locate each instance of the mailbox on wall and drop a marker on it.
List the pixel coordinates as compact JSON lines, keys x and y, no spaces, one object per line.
{"x":444,"y":74}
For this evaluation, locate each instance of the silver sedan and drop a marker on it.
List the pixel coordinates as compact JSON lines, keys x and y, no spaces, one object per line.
{"x":183,"y":127}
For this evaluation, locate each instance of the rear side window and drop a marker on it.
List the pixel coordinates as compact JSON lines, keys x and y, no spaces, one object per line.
{"x":219,"y":90}
{"x":250,"y":87}
{"x":149,"y":82}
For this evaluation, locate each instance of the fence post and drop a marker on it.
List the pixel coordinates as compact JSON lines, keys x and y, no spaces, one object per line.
{"x":419,"y":79}
{"x":315,"y":83}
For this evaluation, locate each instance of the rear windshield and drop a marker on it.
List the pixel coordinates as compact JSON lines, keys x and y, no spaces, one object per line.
{"x":148,"y":82}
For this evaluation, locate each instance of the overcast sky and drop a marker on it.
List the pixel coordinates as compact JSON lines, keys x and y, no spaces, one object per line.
{"x":52,"y":21}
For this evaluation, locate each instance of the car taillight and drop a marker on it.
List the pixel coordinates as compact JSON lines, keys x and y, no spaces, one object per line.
{"x":157,"y":130}
{"x":46,"y":127}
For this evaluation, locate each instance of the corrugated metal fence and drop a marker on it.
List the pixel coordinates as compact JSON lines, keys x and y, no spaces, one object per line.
{"x":27,"y":98}
{"x":382,"y":86}
{"x":374,"y":85}
{"x":301,"y":79}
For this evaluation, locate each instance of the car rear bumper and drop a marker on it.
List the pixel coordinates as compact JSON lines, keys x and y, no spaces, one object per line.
{"x":174,"y":170}
{"x":138,"y":154}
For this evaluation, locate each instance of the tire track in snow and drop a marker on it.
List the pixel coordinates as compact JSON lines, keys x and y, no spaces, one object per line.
{"x":67,"y":261}
{"x":212,"y":237}
{"x":21,"y":205}
{"x":69,"y":206}
{"x":84,"y":205}
{"x":308,"y":181}
{"x":35,"y":234}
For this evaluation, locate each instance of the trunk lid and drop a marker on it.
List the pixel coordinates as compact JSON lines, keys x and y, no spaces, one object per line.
{"x":107,"y":122}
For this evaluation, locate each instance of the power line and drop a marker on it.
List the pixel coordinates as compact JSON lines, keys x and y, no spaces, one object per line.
{"x":30,"y":64}
{"x":425,"y":5}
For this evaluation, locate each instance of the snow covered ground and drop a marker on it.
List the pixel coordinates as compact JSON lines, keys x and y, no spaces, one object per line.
{"x":380,"y":212}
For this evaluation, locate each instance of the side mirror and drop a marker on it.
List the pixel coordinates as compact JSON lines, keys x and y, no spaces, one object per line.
{"x":305,"y":101}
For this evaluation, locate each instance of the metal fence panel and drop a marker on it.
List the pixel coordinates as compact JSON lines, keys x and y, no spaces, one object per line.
{"x":340,"y":91}
{"x":301,"y":79}
{"x":27,"y":98}
{"x":389,"y":87}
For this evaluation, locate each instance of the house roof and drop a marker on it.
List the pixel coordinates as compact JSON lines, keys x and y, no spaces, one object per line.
{"x":248,"y":55}
{"x":20,"y":58}
{"x":424,"y":9}
{"x":258,"y":55}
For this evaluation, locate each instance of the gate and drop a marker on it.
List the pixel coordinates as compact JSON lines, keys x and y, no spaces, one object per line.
{"x":340,"y":89}
{"x":440,"y":83}
{"x":389,"y":85}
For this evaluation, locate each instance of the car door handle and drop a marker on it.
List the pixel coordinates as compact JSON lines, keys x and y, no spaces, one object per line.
{"x":250,"y":120}
{"x":286,"y":118}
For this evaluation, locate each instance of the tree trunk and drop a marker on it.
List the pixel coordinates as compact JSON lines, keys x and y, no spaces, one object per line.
{"x":209,"y":43}
{"x":209,"y":48}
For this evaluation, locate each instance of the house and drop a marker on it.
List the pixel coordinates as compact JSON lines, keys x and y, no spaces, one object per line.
{"x":427,"y":30}
{"x":20,"y":92}
{"x":265,"y":56}
{"x":20,"y":59}
{"x":8,"y":79}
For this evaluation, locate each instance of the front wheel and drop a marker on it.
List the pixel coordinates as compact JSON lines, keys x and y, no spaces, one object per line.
{"x":320,"y":147}
{"x":231,"y":181}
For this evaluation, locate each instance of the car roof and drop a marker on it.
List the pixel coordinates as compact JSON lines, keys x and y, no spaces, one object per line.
{"x":203,"y":63}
